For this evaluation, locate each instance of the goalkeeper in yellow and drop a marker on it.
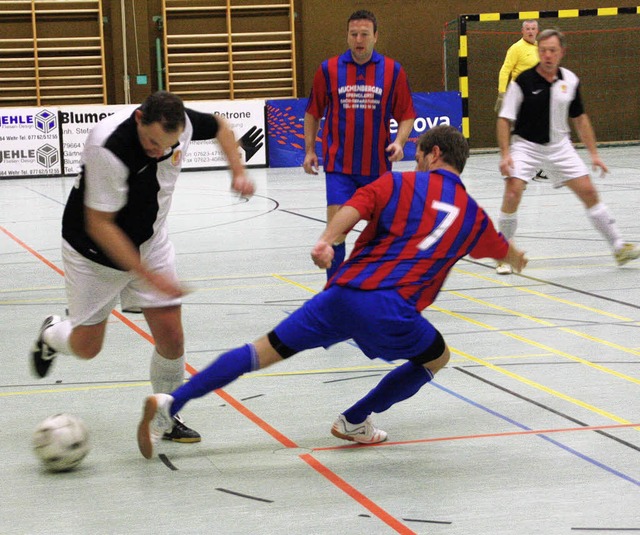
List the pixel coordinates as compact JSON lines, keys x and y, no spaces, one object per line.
{"x":522,"y":55}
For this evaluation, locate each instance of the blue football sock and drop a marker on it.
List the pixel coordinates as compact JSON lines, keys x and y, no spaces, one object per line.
{"x":339,"y":252}
{"x":225,"y":369}
{"x":399,"y":384}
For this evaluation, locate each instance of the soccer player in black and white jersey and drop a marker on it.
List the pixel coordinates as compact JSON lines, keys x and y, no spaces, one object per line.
{"x":115,"y":240}
{"x":538,"y":105}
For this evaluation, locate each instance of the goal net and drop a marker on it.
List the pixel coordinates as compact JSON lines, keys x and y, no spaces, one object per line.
{"x":602,"y":49}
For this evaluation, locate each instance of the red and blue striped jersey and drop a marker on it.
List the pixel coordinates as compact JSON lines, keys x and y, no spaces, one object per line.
{"x":420,"y":225}
{"x":360,"y":101}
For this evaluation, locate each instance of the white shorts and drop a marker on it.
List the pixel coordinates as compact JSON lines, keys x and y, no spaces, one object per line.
{"x":93,"y":290}
{"x":559,"y":161}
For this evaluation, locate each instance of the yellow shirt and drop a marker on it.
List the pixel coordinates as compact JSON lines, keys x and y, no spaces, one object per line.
{"x":521,"y":56}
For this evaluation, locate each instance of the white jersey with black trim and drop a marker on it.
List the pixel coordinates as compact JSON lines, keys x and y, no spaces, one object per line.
{"x":540,"y":109}
{"x":117,"y":176}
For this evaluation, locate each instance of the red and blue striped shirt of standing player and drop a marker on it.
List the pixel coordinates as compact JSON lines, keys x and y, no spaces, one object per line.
{"x":420,"y":225}
{"x":360,"y":101}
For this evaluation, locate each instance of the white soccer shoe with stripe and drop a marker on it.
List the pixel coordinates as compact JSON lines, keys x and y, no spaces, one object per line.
{"x":364,"y":433}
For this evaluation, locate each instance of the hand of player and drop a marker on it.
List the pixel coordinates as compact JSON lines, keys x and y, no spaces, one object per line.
{"x":506,"y":166}
{"x":165,"y":285}
{"x":498,"y":105}
{"x":396,"y":152}
{"x":310,"y":163}
{"x":322,"y":255}
{"x":243,"y":185}
{"x":516,"y":258}
{"x":596,"y":163}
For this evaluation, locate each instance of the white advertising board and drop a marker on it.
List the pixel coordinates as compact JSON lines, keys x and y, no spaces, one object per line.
{"x":247,"y":120}
{"x":29,"y":142}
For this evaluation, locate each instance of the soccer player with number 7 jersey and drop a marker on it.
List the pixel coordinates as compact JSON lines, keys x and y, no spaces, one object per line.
{"x":420,"y":224}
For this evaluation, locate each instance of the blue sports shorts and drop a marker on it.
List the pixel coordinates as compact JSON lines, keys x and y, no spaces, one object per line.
{"x":340,"y":187}
{"x":381,"y":322}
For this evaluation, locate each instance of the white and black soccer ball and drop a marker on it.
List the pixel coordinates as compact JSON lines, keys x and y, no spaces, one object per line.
{"x":61,"y":442}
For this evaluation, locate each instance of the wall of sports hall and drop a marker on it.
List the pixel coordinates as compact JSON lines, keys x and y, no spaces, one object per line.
{"x":422,"y":34}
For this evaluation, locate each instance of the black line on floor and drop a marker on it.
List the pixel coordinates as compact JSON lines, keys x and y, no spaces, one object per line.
{"x":426,"y":521}
{"x":167,"y":462}
{"x":414,"y":520}
{"x":307,"y":217}
{"x":242,"y":200}
{"x":547,"y":408}
{"x":351,"y":378}
{"x":244,"y":495}
{"x":252,"y":397}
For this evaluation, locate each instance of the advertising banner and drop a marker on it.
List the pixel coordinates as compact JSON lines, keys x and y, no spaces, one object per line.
{"x":29,"y":142}
{"x":247,"y":120}
{"x":285,"y":124}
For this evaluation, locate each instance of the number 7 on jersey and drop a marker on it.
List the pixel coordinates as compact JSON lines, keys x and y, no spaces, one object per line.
{"x":452,"y":212}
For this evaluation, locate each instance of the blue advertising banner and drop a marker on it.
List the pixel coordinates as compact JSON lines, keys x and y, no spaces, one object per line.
{"x":285,"y":125}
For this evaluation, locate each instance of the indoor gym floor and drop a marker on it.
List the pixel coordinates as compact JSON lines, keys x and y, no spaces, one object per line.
{"x":533,"y":428}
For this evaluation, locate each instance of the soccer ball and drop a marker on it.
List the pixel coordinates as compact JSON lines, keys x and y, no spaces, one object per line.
{"x":61,"y":441}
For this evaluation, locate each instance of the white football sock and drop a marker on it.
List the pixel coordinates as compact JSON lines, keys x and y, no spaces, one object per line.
{"x":166,"y":374}
{"x":508,"y":224}
{"x":605,"y":224}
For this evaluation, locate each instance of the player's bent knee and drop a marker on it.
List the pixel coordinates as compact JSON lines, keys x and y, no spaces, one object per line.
{"x":87,"y":351}
{"x":279,"y":346}
{"x":436,"y":365}
{"x":86,"y":341}
{"x":435,"y":356}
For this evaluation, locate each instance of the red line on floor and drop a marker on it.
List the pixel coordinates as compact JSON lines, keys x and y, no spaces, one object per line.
{"x":285,"y":441}
{"x":242,"y":409}
{"x":356,"y":495}
{"x":32,"y":251}
{"x":484,"y":435}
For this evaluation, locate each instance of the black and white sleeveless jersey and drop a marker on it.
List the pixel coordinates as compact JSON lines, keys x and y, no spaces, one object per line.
{"x":117,"y":176}
{"x":540,"y":109}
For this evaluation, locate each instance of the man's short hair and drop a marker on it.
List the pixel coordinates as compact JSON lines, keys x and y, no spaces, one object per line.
{"x":551,"y":32}
{"x":165,"y":108}
{"x":363,"y":14}
{"x":529,"y":21}
{"x":453,"y":145}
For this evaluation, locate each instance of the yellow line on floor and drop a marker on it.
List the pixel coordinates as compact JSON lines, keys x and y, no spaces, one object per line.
{"x":543,"y":295}
{"x":537,"y":344}
{"x":541,"y":387}
{"x":546,"y":323}
{"x":60,"y":389}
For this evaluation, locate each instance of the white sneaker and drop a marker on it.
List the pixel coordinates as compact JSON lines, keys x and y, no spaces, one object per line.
{"x":504,"y":269}
{"x":365,"y":432}
{"x":156,"y":420}
{"x":627,"y":253}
